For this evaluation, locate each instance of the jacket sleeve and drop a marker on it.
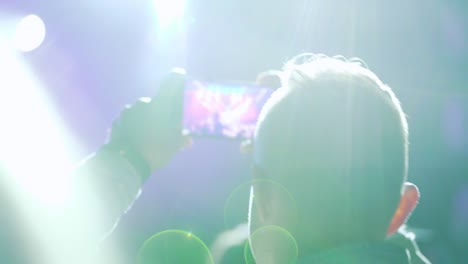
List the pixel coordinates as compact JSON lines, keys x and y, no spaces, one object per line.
{"x":105,"y":185}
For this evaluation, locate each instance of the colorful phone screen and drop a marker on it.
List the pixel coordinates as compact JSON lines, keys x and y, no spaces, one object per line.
{"x":223,"y":110}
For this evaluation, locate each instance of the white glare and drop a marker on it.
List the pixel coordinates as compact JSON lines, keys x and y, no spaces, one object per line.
{"x":29,"y":34}
{"x":169,"y":12}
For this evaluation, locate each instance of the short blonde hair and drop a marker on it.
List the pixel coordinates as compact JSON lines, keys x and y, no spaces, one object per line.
{"x":337,"y":136}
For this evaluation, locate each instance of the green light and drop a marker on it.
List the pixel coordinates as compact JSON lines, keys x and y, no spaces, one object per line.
{"x":174,"y":246}
{"x":272,"y":245}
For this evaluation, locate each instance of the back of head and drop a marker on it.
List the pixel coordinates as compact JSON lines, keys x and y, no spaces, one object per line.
{"x":336,"y":138}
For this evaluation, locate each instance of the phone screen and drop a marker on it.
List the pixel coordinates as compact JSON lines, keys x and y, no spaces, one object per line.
{"x":223,"y":110}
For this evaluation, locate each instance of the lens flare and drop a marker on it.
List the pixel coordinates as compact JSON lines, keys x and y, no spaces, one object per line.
{"x":29,"y":34}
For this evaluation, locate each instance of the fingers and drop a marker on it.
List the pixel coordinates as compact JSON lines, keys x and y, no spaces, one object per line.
{"x":168,"y":104}
{"x":171,"y":87}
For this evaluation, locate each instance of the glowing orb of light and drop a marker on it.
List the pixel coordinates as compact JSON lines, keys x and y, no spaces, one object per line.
{"x":29,"y":34}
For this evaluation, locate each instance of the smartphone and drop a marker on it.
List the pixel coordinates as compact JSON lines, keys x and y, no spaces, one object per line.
{"x":223,"y":110}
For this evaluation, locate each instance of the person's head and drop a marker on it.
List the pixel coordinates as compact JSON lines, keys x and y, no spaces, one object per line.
{"x":336,"y":138}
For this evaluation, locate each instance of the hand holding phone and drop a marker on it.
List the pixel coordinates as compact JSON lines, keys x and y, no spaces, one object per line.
{"x":151,"y":128}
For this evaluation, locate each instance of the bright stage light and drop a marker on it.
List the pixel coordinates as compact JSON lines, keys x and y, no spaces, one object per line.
{"x":169,"y":12}
{"x":36,"y":157}
{"x":29,"y":33}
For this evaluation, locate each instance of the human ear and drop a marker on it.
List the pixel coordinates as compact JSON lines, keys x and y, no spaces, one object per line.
{"x":408,"y":202}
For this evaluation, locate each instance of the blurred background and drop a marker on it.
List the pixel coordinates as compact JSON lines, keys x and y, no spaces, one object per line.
{"x":97,"y":56}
